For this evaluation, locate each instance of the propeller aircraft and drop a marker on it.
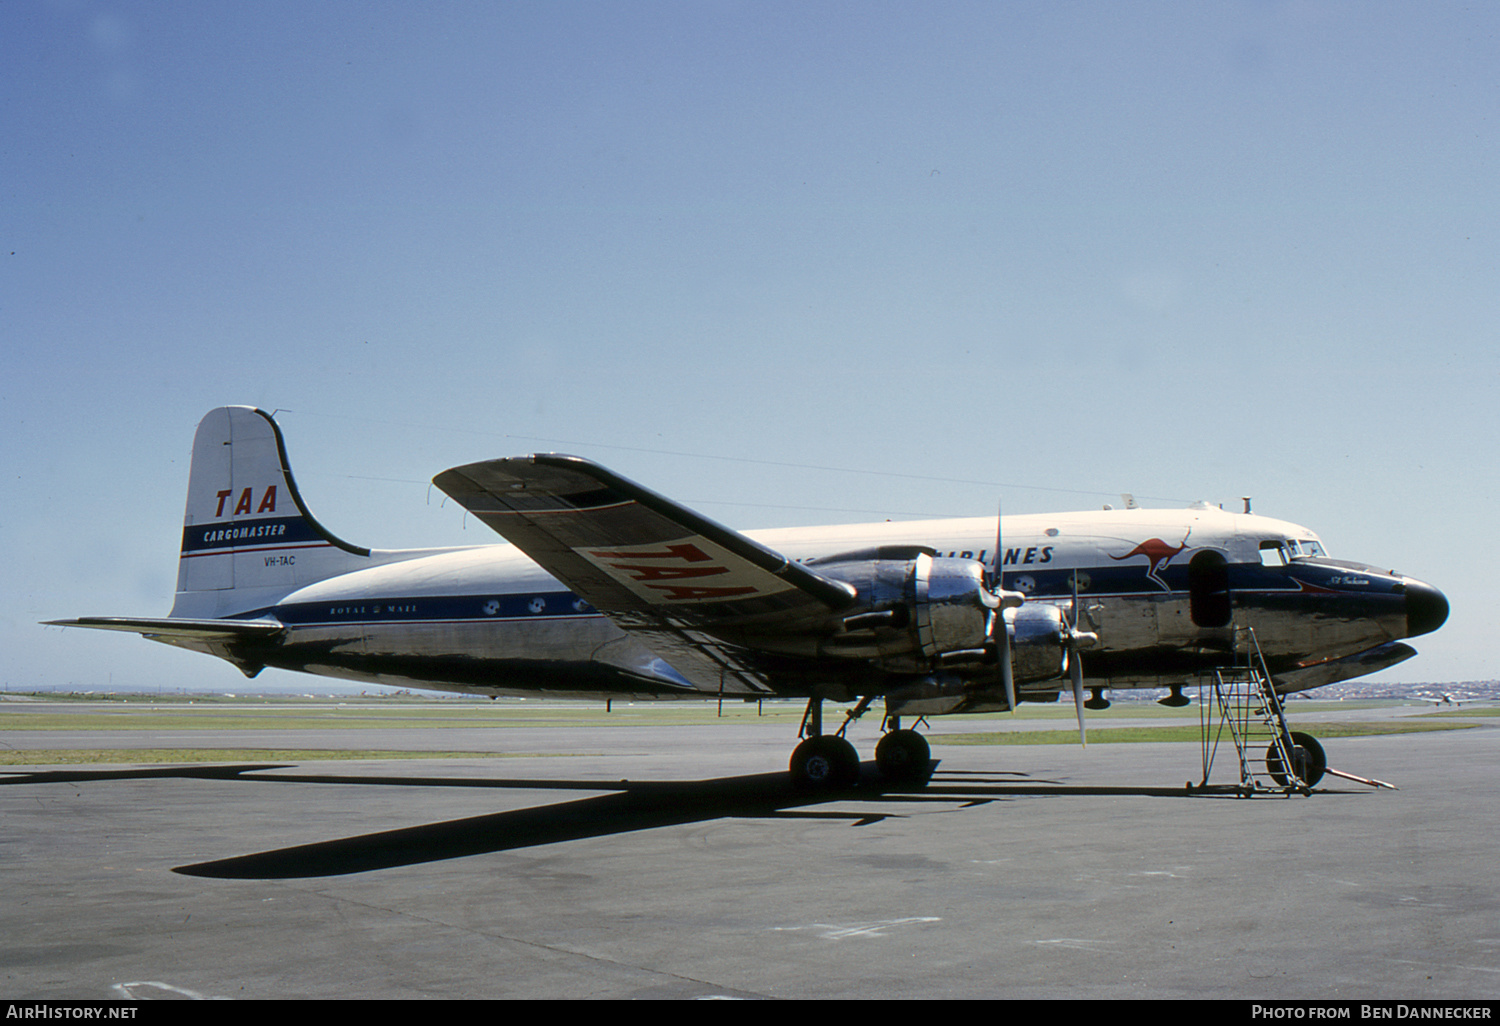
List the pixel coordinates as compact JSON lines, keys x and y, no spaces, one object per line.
{"x":601,"y":589}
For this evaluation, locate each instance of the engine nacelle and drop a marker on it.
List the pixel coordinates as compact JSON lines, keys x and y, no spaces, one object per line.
{"x":1038,"y":648}
{"x":913,"y":609}
{"x":921,"y":613}
{"x":1038,"y":643}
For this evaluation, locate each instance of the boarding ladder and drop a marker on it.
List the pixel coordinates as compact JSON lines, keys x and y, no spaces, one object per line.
{"x":1239,"y":704}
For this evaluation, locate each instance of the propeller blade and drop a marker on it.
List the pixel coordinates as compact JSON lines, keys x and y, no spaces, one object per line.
{"x":1077,"y":639}
{"x":995,"y":581}
{"x":1075,"y":670}
{"x":993,"y":574}
{"x":1007,"y":676}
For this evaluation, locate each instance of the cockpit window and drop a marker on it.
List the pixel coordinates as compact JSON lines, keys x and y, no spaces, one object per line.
{"x":1280,"y":552}
{"x":1272,"y":554}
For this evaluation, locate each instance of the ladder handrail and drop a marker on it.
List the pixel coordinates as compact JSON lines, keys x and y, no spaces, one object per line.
{"x":1283,"y":734}
{"x":1237,"y":706}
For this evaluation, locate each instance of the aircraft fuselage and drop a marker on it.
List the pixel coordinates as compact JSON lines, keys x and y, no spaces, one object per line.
{"x":1170,"y":594}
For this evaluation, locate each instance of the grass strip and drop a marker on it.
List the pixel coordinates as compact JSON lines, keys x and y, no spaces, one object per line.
{"x":107,"y":756}
{"x":291,"y":718}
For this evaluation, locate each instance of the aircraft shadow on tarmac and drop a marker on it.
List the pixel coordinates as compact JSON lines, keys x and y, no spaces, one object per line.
{"x":631,"y":806}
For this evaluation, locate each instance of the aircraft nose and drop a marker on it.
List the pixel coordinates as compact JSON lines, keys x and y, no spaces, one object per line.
{"x":1426,"y":608}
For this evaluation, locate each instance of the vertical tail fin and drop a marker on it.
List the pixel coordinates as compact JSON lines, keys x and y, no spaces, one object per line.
{"x":247,"y":537}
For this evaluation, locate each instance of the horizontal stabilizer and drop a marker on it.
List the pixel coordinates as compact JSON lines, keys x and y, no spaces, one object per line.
{"x":172,"y":627}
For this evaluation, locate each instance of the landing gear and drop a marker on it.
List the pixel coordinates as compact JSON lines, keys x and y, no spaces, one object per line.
{"x":1309,"y":762}
{"x":824,"y":762}
{"x":903,"y":755}
{"x":827,"y":762}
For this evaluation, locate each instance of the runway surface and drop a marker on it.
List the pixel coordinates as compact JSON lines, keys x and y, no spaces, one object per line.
{"x":676,"y":862}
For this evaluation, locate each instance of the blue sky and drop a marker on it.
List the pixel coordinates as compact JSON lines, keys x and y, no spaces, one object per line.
{"x":787,"y":262}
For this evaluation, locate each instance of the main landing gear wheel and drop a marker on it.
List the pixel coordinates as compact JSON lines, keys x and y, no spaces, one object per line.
{"x":903,"y":755}
{"x":825,"y":762}
{"x":1308,"y":761}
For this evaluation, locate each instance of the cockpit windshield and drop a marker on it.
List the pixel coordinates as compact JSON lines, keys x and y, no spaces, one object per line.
{"x":1301,"y":549}
{"x":1281,"y":551}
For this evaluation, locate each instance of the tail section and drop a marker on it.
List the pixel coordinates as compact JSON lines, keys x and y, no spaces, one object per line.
{"x":247,"y":537}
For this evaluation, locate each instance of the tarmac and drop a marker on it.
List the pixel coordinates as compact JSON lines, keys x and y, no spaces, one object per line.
{"x":677,"y":862}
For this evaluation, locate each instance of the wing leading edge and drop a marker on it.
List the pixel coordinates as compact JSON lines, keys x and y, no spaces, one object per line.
{"x":676,"y":579}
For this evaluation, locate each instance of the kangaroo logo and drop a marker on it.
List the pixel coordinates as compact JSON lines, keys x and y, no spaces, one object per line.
{"x":1159,"y":553}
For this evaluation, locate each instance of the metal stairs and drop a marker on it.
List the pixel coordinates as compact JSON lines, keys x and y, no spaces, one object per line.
{"x":1240,"y":704}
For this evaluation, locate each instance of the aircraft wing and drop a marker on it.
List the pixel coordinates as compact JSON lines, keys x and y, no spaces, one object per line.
{"x":676,"y":579}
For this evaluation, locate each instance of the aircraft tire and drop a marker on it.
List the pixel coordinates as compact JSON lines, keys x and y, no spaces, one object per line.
{"x":1308,"y":761}
{"x":825,"y":762}
{"x":1314,"y":761}
{"x":903,"y":755}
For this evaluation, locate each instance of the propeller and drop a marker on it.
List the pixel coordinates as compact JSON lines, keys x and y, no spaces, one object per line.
{"x":999,"y":636}
{"x":1078,"y":639}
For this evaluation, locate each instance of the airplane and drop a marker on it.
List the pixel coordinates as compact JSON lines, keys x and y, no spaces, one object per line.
{"x":602,"y":589}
